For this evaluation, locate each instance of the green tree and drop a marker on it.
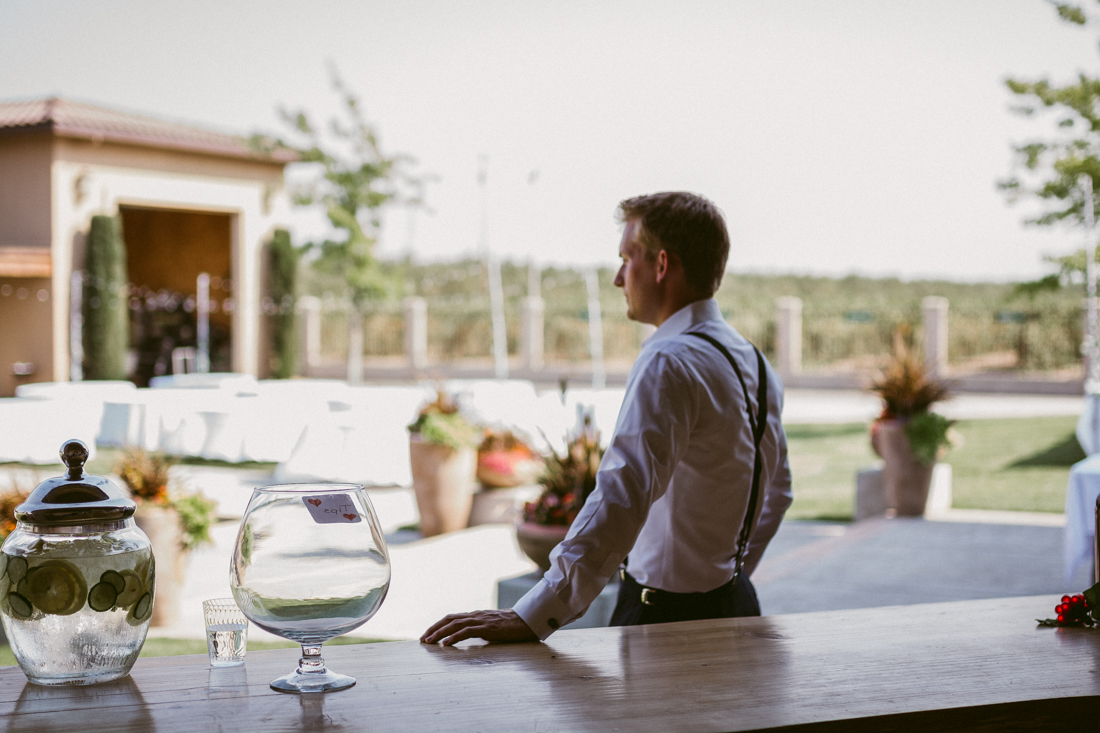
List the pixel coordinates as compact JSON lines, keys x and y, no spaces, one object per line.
{"x":1050,"y":170}
{"x":357,"y":182}
{"x":104,"y":307}
{"x":283,"y":293}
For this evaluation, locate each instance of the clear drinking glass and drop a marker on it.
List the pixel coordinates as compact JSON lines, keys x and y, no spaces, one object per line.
{"x":310,"y":563}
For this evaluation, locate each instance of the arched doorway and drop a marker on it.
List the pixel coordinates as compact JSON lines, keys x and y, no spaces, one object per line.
{"x":166,"y":250}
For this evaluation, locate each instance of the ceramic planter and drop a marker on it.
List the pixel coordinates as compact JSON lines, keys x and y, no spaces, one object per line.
{"x":537,"y":540}
{"x":444,"y":482}
{"x":162,"y":526}
{"x":904,"y":477}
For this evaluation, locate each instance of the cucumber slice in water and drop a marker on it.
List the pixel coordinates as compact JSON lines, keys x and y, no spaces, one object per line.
{"x":102,"y":597}
{"x":132,"y":590}
{"x":17,"y":568}
{"x":115,"y":579}
{"x":143,"y":607}
{"x":19,"y":605}
{"x":3,"y":563}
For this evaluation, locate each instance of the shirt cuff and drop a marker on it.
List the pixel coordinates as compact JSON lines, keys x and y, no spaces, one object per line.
{"x":542,"y":610}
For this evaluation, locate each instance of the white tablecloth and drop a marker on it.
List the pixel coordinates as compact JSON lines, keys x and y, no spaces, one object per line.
{"x":1081,"y":493}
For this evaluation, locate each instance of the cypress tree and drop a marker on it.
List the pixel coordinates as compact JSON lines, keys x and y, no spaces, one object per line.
{"x":106,"y":320}
{"x":284,"y":285}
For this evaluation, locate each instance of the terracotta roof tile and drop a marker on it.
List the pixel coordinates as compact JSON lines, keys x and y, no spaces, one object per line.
{"x":77,"y":119}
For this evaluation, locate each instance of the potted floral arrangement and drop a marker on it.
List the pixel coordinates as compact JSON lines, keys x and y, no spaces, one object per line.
{"x":566,"y":482}
{"x":174,"y":522}
{"x":442,"y":445}
{"x":505,"y":460}
{"x":908,"y":436}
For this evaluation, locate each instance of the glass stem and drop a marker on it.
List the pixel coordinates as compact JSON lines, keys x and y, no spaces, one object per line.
{"x":311,"y":662}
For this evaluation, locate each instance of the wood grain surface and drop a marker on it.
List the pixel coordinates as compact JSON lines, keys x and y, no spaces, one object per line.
{"x":975,"y":665}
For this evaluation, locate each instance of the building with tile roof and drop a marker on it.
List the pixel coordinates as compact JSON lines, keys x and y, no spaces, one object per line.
{"x":191,"y":200}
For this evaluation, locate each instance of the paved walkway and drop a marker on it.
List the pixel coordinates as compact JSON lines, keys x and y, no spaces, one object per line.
{"x":810,"y":566}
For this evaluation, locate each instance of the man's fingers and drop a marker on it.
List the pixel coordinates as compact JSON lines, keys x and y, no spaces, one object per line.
{"x":447,"y":626}
{"x":502,"y":625}
{"x":467,"y":632}
{"x":439,"y":625}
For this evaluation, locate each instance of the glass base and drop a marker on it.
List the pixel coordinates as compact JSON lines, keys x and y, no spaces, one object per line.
{"x":299,"y":683}
{"x":311,"y":675}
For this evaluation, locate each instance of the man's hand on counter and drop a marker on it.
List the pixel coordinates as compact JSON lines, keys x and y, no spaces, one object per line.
{"x":505,"y":625}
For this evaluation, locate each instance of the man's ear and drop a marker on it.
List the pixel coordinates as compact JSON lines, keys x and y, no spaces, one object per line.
{"x":663,"y":263}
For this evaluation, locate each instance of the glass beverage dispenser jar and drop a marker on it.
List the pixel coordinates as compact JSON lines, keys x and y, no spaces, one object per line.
{"x":76,"y":579}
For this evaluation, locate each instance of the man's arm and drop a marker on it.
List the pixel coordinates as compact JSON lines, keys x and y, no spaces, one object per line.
{"x":648,"y":442}
{"x":777,"y":494}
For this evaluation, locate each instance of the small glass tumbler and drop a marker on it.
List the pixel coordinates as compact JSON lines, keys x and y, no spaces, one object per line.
{"x":226,"y":632}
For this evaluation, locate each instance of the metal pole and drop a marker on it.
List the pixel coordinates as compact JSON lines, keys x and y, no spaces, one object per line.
{"x":1096,"y":546}
{"x":496,"y":289}
{"x":1092,"y":337}
{"x":595,"y":329}
{"x":202,"y":323}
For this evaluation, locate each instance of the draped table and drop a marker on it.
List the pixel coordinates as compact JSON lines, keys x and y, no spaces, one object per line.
{"x":1081,"y":492}
{"x":948,"y":666}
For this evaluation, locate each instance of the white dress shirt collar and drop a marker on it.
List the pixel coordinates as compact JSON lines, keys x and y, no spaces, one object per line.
{"x":688,"y":316}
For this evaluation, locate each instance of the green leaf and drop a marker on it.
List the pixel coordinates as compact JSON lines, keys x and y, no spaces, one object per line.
{"x":1071,"y":13}
{"x":1092,"y":596}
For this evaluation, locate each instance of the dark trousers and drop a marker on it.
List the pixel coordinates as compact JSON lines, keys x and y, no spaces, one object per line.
{"x":728,"y":601}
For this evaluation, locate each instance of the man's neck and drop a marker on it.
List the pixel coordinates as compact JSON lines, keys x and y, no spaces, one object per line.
{"x":675,"y":304}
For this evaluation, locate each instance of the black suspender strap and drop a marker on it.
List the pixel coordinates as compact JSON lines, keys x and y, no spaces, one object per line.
{"x":758,"y":423}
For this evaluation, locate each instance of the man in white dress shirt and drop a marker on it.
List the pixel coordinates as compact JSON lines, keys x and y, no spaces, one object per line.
{"x":695,"y":479}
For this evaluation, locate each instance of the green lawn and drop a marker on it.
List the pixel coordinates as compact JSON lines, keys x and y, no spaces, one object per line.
{"x":158,"y":647}
{"x":1019,"y":464}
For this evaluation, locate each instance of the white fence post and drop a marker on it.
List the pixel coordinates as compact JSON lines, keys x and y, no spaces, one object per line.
{"x":935,"y":334}
{"x":309,"y":308}
{"x":355,"y":345}
{"x":202,"y":323}
{"x":534,"y":323}
{"x":416,"y":332}
{"x":76,"y":327}
{"x":788,"y":336}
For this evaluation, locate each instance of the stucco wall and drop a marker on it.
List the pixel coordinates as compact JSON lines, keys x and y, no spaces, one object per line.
{"x":25,"y":191}
{"x":25,"y":307}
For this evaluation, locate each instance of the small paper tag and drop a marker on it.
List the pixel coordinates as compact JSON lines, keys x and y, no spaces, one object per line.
{"x":332,"y":509}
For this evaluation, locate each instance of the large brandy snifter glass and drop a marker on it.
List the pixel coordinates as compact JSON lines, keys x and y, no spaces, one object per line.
{"x":310,"y":563}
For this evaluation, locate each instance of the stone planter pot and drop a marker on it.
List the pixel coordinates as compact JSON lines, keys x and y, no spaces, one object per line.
{"x":537,"y":540}
{"x":162,"y":526}
{"x":905,"y":478}
{"x":444,"y":483}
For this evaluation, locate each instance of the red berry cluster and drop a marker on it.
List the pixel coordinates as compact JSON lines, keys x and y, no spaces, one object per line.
{"x":1073,"y":610}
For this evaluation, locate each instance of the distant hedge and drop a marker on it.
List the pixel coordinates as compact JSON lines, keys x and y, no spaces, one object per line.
{"x":106,"y":321}
{"x":283,"y":293}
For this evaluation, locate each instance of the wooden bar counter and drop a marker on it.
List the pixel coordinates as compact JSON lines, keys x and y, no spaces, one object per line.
{"x":974,"y":665}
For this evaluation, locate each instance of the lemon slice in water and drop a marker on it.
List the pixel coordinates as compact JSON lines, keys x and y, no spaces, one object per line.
{"x":56,"y":586}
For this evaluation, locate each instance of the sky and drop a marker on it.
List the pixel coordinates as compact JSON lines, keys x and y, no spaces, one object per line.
{"x":840,"y":137}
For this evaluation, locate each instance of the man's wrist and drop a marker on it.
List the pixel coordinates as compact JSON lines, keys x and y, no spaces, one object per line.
{"x":542,"y":610}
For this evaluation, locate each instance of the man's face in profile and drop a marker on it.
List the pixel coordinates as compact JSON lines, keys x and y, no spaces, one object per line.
{"x":637,"y":277}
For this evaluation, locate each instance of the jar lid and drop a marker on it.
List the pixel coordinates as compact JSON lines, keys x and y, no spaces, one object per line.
{"x":77,"y":498}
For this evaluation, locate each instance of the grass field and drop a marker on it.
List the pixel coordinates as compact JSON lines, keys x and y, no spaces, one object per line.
{"x":1017,"y":464}
{"x":158,"y":647}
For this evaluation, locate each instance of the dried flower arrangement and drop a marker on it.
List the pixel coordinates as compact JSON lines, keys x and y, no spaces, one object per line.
{"x":567,"y":479}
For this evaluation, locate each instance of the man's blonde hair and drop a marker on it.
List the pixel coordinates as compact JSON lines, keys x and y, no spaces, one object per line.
{"x":685,"y":225}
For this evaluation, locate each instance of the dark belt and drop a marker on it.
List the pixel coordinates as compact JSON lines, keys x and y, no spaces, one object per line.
{"x":656,"y":596}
